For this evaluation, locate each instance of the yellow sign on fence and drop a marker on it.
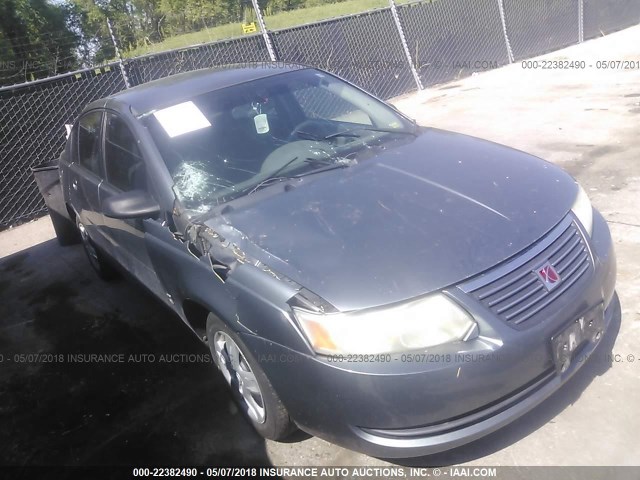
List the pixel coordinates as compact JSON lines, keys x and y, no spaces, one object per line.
{"x":249,"y":27}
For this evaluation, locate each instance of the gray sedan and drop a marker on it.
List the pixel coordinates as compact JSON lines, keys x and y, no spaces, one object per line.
{"x":394,"y":289}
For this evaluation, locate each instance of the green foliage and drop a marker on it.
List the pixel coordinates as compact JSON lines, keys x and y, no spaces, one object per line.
{"x":182,"y":16}
{"x":275,"y":6}
{"x":36,"y":39}
{"x":39,"y":38}
{"x":141,"y":24}
{"x":321,"y":10}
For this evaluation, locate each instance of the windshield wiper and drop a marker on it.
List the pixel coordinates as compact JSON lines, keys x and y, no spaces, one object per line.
{"x":275,"y":176}
{"x":324,"y":168}
{"x":320,"y":138}
{"x":308,"y":135}
{"x":272,"y":176}
{"x":349,"y":132}
{"x":264,"y":183}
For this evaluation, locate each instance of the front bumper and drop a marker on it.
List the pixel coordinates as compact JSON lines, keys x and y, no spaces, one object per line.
{"x":422,"y":404}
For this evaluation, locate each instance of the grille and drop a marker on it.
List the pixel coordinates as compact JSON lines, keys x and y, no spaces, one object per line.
{"x":514,"y":291}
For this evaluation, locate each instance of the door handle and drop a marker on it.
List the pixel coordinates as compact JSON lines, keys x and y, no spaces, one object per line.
{"x":74,"y":184}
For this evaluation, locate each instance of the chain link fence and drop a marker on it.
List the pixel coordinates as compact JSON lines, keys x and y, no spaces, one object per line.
{"x":606,"y":16}
{"x":535,"y":27}
{"x":239,"y":50}
{"x":32,"y":131}
{"x":428,"y":42}
{"x":364,"y":49}
{"x":448,"y":40}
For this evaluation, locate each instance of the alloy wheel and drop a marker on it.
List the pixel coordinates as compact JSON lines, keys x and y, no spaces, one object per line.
{"x":238,"y":374}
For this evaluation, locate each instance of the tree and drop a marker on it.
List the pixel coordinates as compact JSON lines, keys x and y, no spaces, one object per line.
{"x":40,"y":39}
{"x":36,"y":40}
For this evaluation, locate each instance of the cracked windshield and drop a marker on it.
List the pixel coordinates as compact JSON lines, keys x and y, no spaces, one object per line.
{"x":234,"y":141}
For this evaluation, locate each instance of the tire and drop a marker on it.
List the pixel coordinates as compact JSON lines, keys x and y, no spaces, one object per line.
{"x":98,"y":260}
{"x":251,"y":389}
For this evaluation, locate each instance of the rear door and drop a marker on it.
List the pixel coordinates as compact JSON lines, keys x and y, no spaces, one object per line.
{"x":126,"y":170}
{"x":86,"y":173}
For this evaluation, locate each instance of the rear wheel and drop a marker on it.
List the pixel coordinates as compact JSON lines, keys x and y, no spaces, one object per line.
{"x":250,"y":387}
{"x":97,"y":259}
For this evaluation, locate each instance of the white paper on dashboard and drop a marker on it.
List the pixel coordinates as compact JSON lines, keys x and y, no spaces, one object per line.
{"x":181,"y":118}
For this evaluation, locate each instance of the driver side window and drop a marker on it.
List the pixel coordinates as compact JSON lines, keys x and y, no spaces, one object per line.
{"x":89,"y":142}
{"x":123,"y":162}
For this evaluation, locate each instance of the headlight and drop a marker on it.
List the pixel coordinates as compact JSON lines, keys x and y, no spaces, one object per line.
{"x":583,"y":210}
{"x":419,"y":324}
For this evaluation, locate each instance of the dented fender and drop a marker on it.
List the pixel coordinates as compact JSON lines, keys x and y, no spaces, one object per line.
{"x":249,"y":298}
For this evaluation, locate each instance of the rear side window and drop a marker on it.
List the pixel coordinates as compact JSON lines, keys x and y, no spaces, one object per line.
{"x":89,"y":142}
{"x":123,"y":162}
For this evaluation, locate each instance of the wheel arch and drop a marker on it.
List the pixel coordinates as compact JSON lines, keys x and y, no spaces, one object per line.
{"x":196,"y":313}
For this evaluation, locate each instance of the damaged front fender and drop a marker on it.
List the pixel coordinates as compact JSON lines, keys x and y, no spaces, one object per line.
{"x":213,"y":268}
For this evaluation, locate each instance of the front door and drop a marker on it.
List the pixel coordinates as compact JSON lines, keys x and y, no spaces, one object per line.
{"x":86,"y":173}
{"x":125,"y":170}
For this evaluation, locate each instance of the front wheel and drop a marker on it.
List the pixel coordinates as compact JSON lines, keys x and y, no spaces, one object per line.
{"x":250,"y":387}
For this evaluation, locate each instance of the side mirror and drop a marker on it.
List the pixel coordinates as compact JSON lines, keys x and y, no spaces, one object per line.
{"x":133,"y":204}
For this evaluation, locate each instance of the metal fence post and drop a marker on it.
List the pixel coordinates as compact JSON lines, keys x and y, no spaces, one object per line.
{"x":503,"y":20}
{"x":405,"y":46}
{"x":265,"y":34}
{"x":580,"y":21}
{"x":123,"y":70}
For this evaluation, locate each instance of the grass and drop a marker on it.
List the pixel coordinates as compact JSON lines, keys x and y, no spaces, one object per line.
{"x":273,"y":22}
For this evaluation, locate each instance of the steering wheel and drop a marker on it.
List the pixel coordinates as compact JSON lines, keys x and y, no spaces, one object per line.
{"x":303,"y":149}
{"x":310,"y":126}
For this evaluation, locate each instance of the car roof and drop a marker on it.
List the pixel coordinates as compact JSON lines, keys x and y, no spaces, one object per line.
{"x":172,"y":89}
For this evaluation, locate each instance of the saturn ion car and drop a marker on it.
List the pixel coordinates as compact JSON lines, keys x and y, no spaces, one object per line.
{"x":395,"y":289}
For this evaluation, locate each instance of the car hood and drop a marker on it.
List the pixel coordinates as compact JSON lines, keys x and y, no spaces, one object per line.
{"x":415,"y":218}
